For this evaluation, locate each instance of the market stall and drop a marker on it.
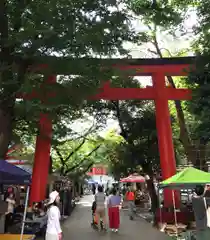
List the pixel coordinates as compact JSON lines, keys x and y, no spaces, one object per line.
{"x":142,"y":198}
{"x":134,"y":178}
{"x":11,"y":174}
{"x":186,"y":179}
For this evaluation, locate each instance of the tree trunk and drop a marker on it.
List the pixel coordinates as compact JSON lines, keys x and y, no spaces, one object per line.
{"x":151,"y":189}
{"x":153,"y":194}
{"x":10,"y":82}
{"x":51,"y":165}
{"x":201,"y":157}
{"x":184,"y":134}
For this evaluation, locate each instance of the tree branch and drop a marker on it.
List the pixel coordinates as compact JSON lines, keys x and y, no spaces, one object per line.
{"x":22,"y":4}
{"x":87,"y":168}
{"x":83,"y":160}
{"x":80,"y":145}
{"x":63,"y":164}
{"x":4,"y":28}
{"x":60,"y":156}
{"x":75,"y":150}
{"x":124,"y":133}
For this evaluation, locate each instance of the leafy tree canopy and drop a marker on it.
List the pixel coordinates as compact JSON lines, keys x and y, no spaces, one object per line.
{"x":64,"y":28}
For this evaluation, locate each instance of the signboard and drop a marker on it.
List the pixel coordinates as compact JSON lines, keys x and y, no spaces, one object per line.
{"x":98,"y":170}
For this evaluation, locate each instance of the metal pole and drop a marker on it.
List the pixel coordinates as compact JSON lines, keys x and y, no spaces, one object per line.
{"x":25,"y":211}
{"x":63,"y":206}
{"x":175,"y":217}
{"x":160,"y":205}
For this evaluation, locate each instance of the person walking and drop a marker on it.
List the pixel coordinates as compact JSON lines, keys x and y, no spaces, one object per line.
{"x":53,"y":231}
{"x":100,"y":198}
{"x":10,"y":210}
{"x":130,"y":198}
{"x":93,"y":189}
{"x":113,"y":204}
{"x":201,"y":209}
{"x":107,"y":192}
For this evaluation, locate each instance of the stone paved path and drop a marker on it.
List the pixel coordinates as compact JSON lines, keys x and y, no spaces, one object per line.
{"x":77,"y":227}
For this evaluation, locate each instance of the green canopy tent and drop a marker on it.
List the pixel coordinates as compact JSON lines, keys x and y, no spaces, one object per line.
{"x":186,"y":179}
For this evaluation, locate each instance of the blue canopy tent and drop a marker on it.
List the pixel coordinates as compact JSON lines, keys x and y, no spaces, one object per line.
{"x":10,"y":174}
{"x":91,"y":181}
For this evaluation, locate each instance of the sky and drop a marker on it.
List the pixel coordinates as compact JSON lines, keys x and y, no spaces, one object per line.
{"x":165,"y":41}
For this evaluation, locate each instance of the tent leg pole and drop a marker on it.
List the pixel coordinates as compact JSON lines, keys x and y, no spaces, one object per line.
{"x":159,"y":200}
{"x":25,"y":211}
{"x":162,"y":227}
{"x":175,"y":217}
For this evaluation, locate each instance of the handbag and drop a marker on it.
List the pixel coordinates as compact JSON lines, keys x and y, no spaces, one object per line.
{"x":207,"y":213}
{"x":60,"y":236}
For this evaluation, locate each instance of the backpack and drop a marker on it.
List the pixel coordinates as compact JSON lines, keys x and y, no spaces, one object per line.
{"x":94,"y":206}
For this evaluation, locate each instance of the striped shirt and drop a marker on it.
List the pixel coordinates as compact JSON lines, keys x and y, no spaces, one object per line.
{"x":100,"y":198}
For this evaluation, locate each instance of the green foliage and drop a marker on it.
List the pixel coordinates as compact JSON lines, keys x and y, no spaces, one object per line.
{"x":98,"y":28}
{"x":198,"y":80}
{"x":163,"y":13}
{"x":164,"y":18}
{"x":141,"y":147}
{"x":137,"y":129}
{"x":59,"y":27}
{"x":199,"y":106}
{"x":23,"y":153}
{"x":72,"y":156}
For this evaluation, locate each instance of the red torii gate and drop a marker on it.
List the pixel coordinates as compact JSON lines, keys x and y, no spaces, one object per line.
{"x":159,"y":92}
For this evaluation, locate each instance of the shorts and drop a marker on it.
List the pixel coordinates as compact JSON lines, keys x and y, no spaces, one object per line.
{"x":100,"y":211}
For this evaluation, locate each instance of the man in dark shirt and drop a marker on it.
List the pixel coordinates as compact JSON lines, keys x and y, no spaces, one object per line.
{"x":200,"y":206}
{"x":94,"y":189}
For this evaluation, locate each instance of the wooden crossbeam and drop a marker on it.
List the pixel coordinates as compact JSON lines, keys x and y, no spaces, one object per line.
{"x":68,"y":66}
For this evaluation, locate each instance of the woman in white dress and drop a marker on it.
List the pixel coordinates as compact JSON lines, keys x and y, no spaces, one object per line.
{"x":53,"y":231}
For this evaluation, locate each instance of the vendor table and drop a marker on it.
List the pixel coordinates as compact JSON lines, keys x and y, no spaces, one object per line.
{"x":168,"y":217}
{"x":16,"y":237}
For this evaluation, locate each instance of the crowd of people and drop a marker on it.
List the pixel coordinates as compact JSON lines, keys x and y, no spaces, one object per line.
{"x":112,"y":200}
{"x":106,"y":209}
{"x":108,"y":203}
{"x":14,"y":210}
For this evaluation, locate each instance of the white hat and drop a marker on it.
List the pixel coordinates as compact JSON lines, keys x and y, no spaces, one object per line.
{"x":53,"y":195}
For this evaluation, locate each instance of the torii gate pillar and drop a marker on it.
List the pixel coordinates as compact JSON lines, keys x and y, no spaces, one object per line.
{"x":42,"y":155}
{"x":164,"y":133}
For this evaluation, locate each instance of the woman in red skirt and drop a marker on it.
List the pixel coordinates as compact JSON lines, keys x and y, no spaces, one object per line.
{"x":114,"y":202}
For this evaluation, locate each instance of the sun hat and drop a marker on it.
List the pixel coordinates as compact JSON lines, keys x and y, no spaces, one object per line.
{"x":53,"y":195}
